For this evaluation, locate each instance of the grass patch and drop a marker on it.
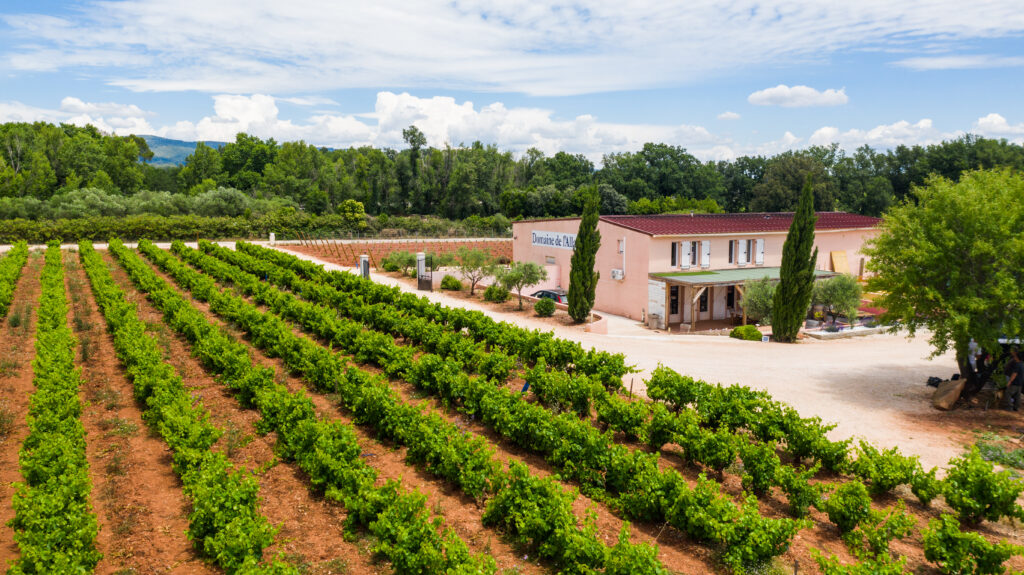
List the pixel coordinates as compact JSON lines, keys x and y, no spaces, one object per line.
{"x":118,"y":427}
{"x":6,"y":420}
{"x":9,"y":368}
{"x":993,"y":447}
{"x":106,"y":396}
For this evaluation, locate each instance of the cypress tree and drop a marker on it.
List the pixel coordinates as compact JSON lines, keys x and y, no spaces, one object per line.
{"x":582,"y":275}
{"x":796,"y":277}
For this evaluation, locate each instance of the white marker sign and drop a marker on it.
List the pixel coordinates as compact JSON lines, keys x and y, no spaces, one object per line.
{"x":554,"y":240}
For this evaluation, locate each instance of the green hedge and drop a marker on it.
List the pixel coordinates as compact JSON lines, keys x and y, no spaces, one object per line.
{"x":747,"y":332}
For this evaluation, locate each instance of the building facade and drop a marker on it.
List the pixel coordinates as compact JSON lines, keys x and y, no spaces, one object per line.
{"x":673,"y":269}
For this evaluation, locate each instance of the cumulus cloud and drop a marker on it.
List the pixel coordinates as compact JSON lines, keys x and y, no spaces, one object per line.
{"x":444,"y":121}
{"x":447,"y":121}
{"x":542,"y":47}
{"x":996,"y":126}
{"x":728,"y":116}
{"x":798,"y":97}
{"x":883,"y":136}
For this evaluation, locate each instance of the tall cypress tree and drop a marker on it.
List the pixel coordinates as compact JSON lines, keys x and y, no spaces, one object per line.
{"x":796,"y":277}
{"x":582,"y":275}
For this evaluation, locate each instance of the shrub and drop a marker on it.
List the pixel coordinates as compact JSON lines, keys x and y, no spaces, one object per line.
{"x":926,"y":486}
{"x":746,"y":332}
{"x":625,"y":558}
{"x":840,"y":295}
{"x":760,"y":465}
{"x":847,"y":506}
{"x":450,"y":282}
{"x":496,"y":294}
{"x":958,"y":552}
{"x":544,"y":307}
{"x":802,"y":494}
{"x":884,"y":469}
{"x":976,"y":492}
{"x":872,"y":537}
{"x":884,"y":565}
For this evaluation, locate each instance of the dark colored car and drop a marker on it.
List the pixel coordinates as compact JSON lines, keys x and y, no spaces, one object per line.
{"x":558,"y":295}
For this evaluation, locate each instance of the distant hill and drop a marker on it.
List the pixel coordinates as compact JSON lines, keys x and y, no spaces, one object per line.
{"x":168,"y":152}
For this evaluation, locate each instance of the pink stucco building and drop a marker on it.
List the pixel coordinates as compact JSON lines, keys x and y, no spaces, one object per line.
{"x":683,"y":269}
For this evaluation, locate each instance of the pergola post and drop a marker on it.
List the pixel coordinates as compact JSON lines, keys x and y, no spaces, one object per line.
{"x":739,"y":290}
{"x":693,"y":307}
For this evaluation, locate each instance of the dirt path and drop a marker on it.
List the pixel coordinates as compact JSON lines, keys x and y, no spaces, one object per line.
{"x":136,"y":496}
{"x":872,"y":387}
{"x":17,"y":348}
{"x":460,"y":513}
{"x":311,"y":527}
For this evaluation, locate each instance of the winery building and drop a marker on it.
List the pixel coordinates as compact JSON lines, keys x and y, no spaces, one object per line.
{"x":687,"y":271}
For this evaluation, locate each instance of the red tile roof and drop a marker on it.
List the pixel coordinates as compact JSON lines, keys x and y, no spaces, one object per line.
{"x":685,"y":224}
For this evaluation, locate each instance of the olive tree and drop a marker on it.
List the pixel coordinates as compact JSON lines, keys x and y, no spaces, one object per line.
{"x":521,"y":275}
{"x":840,"y":295}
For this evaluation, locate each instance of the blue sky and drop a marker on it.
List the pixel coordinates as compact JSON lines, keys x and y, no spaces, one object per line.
{"x":721,"y":79}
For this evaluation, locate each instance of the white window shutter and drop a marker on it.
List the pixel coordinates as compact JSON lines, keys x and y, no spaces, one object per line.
{"x":744,"y":256}
{"x":685,"y":260}
{"x":705,"y":260}
{"x":759,"y":257}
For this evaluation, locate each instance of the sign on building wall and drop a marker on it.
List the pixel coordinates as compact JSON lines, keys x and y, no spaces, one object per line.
{"x":553,"y":240}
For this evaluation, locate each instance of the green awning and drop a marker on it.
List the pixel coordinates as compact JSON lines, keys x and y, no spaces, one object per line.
{"x":727,"y":277}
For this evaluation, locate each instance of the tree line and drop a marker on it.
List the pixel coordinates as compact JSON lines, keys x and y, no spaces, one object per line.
{"x":62,"y":171}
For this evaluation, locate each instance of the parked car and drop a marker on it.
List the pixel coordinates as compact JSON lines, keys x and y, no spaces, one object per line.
{"x":558,"y":295}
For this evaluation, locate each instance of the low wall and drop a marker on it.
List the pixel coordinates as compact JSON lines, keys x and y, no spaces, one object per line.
{"x":347,"y":252}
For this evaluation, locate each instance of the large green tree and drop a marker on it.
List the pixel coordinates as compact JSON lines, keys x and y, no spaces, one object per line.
{"x":796,"y":278}
{"x":582,"y":275}
{"x":951,"y":260}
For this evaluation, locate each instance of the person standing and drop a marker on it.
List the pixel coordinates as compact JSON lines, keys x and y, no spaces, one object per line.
{"x":1015,"y":381}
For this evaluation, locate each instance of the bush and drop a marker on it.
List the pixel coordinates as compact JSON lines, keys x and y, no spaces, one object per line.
{"x":872,"y":537}
{"x":976,"y":492}
{"x":847,"y":506}
{"x":544,"y":307}
{"x":746,"y":332}
{"x":926,"y":486}
{"x":495,"y":294}
{"x":883,"y":470}
{"x":450,"y":282}
{"x":957,"y":552}
{"x":802,"y":494}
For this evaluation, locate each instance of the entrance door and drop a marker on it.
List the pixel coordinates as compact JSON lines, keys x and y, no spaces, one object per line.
{"x":673,"y":304}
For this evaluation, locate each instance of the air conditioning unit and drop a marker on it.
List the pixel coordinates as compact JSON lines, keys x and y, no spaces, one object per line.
{"x":618,"y":274}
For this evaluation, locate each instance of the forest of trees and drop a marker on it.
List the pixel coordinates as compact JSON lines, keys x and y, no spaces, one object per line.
{"x":52,"y":172}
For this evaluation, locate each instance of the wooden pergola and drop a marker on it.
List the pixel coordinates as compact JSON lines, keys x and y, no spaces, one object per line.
{"x":701,"y":281}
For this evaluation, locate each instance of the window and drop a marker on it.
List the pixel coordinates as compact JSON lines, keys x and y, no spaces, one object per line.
{"x":750,"y":248}
{"x":673,"y":258}
{"x":704,"y":300}
{"x":673,"y":300}
{"x":694,"y":248}
{"x":730,"y":297}
{"x":731,"y":257}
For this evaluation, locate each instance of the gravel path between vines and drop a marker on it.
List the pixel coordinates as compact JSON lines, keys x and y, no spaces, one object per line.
{"x":872,"y":387}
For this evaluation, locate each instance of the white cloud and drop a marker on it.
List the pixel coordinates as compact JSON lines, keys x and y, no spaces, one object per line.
{"x":541,"y":47}
{"x":883,"y":136}
{"x":996,"y":126}
{"x":77,"y":106}
{"x":728,"y":116}
{"x":798,"y":97}
{"x":446,"y":121}
{"x":960,"y":62}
